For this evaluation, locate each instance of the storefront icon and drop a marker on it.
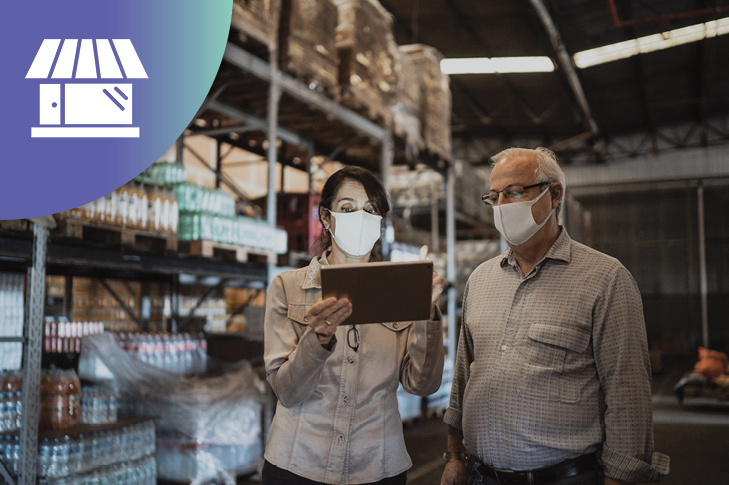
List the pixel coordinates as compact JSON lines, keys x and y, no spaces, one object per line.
{"x":86,"y":108}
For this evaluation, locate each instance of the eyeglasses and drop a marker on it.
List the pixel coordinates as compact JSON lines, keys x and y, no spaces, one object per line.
{"x":353,"y":336}
{"x":512,"y":192}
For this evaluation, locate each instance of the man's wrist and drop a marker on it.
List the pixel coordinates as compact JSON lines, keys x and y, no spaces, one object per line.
{"x":449,"y":456}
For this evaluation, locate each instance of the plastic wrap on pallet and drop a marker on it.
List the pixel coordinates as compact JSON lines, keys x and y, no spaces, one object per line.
{"x":257,"y":19}
{"x":435,"y":113}
{"x":219,"y":412}
{"x":307,"y":43}
{"x":366,"y":46}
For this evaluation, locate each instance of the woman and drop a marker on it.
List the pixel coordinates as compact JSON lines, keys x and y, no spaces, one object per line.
{"x":337,"y":419}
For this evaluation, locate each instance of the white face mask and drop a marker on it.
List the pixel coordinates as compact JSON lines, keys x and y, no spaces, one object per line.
{"x":356,"y":232}
{"x":516,"y":222}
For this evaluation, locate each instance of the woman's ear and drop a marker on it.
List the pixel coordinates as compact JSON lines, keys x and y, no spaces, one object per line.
{"x":324,"y":218}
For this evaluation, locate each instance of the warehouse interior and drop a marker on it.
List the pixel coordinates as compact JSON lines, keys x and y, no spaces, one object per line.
{"x":148,"y":305}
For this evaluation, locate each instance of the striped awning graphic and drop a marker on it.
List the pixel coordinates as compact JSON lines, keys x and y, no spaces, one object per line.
{"x":116,"y":60}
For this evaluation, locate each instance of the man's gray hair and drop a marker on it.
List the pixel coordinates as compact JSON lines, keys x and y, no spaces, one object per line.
{"x":548,"y":169}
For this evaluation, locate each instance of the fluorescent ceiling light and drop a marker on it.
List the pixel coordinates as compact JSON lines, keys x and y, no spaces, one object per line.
{"x":651,"y":43}
{"x":493,"y":65}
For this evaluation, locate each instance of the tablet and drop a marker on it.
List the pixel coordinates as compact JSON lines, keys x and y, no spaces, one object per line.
{"x":381,"y":292}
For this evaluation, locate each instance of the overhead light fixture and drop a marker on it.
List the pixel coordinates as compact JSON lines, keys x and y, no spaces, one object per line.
{"x":496,"y":65}
{"x":651,"y":43}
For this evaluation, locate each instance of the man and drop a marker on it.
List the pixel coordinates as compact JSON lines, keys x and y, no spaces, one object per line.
{"x":552,"y":379}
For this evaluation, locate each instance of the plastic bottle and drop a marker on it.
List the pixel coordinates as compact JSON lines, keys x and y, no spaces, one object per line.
{"x":73,"y":390}
{"x":143,"y":207}
{"x":123,"y":206}
{"x":165,"y":216}
{"x":174,"y":212}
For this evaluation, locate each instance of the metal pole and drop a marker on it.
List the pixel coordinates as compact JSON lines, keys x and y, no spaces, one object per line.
{"x":386,"y":161}
{"x":175,"y":303}
{"x":179,"y":148}
{"x":435,"y":219}
{"x":451,"y":259}
{"x":32,"y":358}
{"x":565,"y":62}
{"x":274,"y":93}
{"x":702,"y":270}
{"x":310,"y":165}
{"x":218,"y":164}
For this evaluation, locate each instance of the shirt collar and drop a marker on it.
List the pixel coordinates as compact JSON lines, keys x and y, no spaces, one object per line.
{"x":561,"y":250}
{"x":313,"y":272}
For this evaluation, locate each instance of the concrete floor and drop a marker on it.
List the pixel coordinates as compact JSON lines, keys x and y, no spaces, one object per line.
{"x":695,"y":436}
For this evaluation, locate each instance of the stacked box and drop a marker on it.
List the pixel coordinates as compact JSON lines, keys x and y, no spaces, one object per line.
{"x":406,"y":110}
{"x":366,"y":48}
{"x":307,"y":43}
{"x":435,"y":113}
{"x":257,"y":19}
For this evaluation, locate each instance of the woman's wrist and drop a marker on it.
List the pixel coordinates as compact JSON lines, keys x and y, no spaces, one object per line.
{"x":325,"y":340}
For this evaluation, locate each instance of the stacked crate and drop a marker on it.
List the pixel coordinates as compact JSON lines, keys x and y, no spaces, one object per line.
{"x":406,"y":110}
{"x":307,"y":43}
{"x":435,"y":112}
{"x":366,"y":48}
{"x":257,"y":19}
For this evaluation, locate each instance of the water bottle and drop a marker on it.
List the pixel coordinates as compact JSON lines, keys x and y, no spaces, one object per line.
{"x":18,"y":410}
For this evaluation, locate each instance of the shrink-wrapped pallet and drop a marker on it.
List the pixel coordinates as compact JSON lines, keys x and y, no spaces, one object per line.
{"x":307,"y":43}
{"x":406,"y":110}
{"x":257,"y":19}
{"x":208,"y":427}
{"x":435,"y":113}
{"x":365,"y":43}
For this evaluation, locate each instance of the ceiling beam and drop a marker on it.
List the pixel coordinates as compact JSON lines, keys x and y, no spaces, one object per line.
{"x":565,"y":62}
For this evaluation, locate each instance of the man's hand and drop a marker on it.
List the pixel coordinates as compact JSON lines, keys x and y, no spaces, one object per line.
{"x":454,"y":473}
{"x":610,"y":481}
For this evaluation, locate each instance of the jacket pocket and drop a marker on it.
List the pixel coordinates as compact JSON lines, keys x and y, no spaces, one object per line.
{"x":297,"y":312}
{"x":545,"y":352}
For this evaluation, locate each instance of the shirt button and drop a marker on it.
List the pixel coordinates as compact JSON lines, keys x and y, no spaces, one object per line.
{"x":503,"y":347}
{"x":394,"y":325}
{"x":346,"y":399}
{"x":350,"y":360}
{"x":341,"y":439}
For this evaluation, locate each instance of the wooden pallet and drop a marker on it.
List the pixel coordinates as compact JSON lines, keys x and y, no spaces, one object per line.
{"x":115,"y":235}
{"x":15,"y":224}
{"x":228,"y":252}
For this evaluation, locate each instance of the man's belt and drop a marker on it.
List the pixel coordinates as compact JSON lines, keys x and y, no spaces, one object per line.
{"x":565,"y":469}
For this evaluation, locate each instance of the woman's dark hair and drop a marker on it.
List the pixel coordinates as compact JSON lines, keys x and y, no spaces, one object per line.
{"x":374,"y":189}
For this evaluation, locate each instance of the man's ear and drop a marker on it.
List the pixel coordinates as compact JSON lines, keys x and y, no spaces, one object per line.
{"x":556,"y":191}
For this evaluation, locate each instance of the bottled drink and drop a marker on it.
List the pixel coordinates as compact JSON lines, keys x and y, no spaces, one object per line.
{"x":54,"y":400}
{"x":73,"y":390}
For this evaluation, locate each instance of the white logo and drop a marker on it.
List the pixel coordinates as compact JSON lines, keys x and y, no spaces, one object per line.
{"x":85,"y":108}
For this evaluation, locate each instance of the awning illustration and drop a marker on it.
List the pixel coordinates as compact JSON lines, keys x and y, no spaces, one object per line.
{"x":82,"y":56}
{"x":98,"y":100}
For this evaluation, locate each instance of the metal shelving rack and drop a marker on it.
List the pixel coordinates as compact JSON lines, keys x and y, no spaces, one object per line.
{"x":38,"y":257}
{"x":77,"y":260}
{"x":34,"y":263}
{"x":253,"y":67}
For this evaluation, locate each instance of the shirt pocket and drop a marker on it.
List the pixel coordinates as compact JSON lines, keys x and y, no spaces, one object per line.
{"x":545,"y":352}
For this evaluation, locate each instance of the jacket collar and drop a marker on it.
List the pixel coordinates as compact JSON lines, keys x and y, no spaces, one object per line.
{"x":313,"y":272}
